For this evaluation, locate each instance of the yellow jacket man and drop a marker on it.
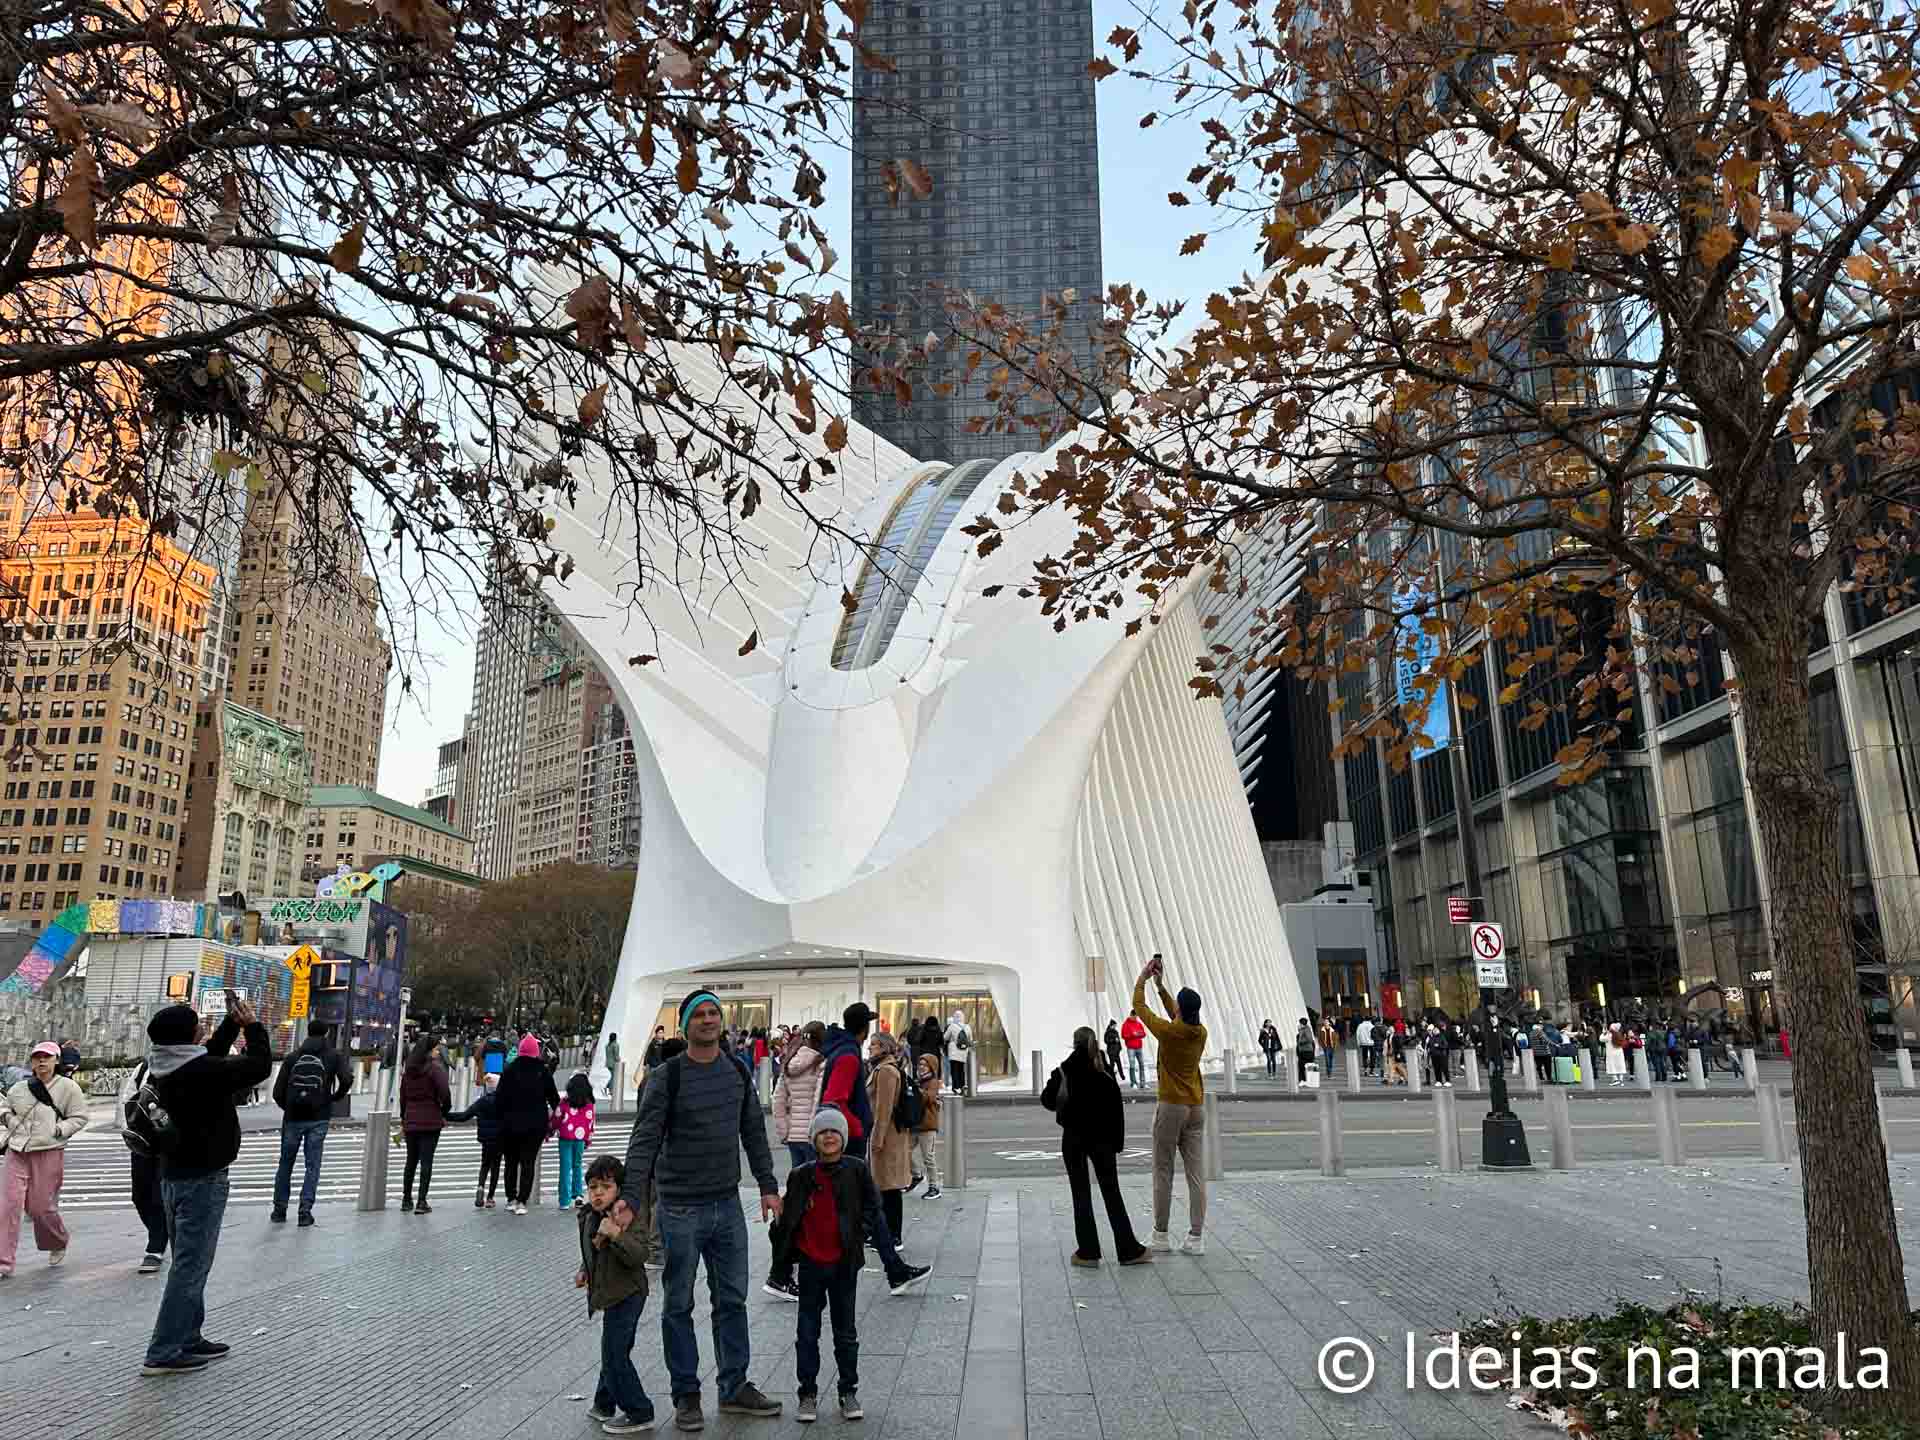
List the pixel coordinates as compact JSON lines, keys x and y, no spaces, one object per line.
{"x":1180,"y":1116}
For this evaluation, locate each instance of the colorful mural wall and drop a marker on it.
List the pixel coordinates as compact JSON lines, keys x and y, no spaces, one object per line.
{"x":56,"y":945}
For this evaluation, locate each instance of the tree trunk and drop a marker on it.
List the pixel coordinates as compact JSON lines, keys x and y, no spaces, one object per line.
{"x":1854,"y":1264}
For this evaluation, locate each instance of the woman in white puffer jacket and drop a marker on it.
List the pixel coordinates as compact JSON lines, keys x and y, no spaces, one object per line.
{"x":797,"y":1095}
{"x":37,"y":1118}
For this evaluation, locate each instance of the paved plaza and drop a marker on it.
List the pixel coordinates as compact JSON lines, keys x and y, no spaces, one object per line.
{"x":464,"y":1324}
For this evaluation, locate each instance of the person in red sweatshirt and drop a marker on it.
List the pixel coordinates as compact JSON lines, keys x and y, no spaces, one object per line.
{"x":1134,"y":1035}
{"x":845,"y":1085}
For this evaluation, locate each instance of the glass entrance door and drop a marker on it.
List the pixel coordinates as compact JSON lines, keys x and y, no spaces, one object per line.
{"x":901,"y":1011}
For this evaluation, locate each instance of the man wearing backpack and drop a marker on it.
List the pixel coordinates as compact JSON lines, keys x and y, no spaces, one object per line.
{"x":959,"y":1043}
{"x":696,"y":1114}
{"x":311,"y":1081}
{"x":195,"y":1087}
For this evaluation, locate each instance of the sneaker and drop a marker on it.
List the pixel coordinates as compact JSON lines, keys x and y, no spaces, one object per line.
{"x":479,"y":1203}
{"x":211,"y":1349}
{"x":423,"y":1208}
{"x":933,"y":1193}
{"x":1194,"y":1245}
{"x":781,"y":1290}
{"x":915,"y":1183}
{"x":748,"y":1400}
{"x":595,"y":1412}
{"x":306,"y":1219}
{"x":807,"y":1409}
{"x":57,"y":1257}
{"x":278,"y":1217}
{"x":1160,"y":1242}
{"x":686,"y":1414}
{"x":1143,"y":1258}
{"x":518,"y":1209}
{"x":850,"y":1407}
{"x":627,"y":1425}
{"x":185,"y":1365}
{"x":908,"y":1277}
{"x":1087,"y":1262}
{"x":490,"y":1204}
{"x":149,"y":1264}
{"x":406,"y":1207}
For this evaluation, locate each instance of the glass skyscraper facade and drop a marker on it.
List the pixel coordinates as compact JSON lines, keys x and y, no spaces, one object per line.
{"x":993,"y":100}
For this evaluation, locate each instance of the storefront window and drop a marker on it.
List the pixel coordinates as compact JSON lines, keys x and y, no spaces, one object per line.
{"x":901,"y":1011}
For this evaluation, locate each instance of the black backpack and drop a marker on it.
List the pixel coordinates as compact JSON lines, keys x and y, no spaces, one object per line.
{"x":308,"y":1083}
{"x":149,"y":1129}
{"x":909,"y":1106}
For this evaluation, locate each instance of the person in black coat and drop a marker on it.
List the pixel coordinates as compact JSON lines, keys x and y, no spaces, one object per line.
{"x":1085,"y":1099}
{"x":525,"y":1101}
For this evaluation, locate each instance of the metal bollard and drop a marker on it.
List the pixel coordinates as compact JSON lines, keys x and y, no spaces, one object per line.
{"x":1590,"y":1070}
{"x":1233,"y":1073}
{"x":1532,"y":1070}
{"x":374,"y":1146}
{"x":618,"y":1081}
{"x":1333,"y":1158}
{"x":1038,"y":1083}
{"x":1473,"y":1068}
{"x":763,"y":1080}
{"x":1353,"y":1068}
{"x":1666,"y":1127}
{"x":1643,"y":1072}
{"x":973,"y":1072}
{"x":1750,"y":1062}
{"x":1292,"y":1069}
{"x":1560,"y":1127}
{"x":1213,"y":1149}
{"x":1412,"y":1065}
{"x":533,"y":1196}
{"x":1880,"y":1111}
{"x":953,"y":1128}
{"x":1697,"y":1071}
{"x":1446,"y":1131}
{"x":1773,"y":1131}
{"x":1903,"y":1061}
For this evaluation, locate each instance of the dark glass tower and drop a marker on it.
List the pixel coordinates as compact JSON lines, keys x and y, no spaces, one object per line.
{"x":993,"y":98}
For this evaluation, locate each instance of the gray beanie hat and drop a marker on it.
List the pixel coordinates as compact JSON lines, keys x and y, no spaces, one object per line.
{"x":828,"y":1117}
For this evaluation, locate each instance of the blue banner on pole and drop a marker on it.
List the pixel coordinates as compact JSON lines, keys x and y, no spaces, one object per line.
{"x":1416,"y":648}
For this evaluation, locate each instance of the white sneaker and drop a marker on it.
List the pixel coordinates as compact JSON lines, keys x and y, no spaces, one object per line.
{"x":1160,"y":1242}
{"x":1194,"y":1245}
{"x":56,"y":1257}
{"x":519,"y":1209}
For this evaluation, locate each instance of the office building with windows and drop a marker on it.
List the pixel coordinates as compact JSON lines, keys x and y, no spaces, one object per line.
{"x":246,"y":805}
{"x":993,"y":100}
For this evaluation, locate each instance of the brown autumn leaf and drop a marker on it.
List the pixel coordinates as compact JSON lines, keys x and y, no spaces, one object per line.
{"x":346,"y":15}
{"x":590,"y":307}
{"x":687,"y":172}
{"x":620,"y":20}
{"x":226,"y":220}
{"x":593,"y":404}
{"x":748,"y":645}
{"x":62,"y":116}
{"x":1194,"y":244}
{"x":673,"y":66}
{"x":916,"y":177}
{"x":346,"y":251}
{"x":835,"y":435}
{"x":78,"y":198}
{"x":1715,"y":245}
{"x":125,"y":122}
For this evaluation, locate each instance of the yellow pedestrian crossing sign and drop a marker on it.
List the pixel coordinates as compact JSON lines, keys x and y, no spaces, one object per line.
{"x":301,"y":963}
{"x":302,"y":960}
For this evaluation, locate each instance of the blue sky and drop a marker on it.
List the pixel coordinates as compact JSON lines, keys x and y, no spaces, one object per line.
{"x":1140,"y":242}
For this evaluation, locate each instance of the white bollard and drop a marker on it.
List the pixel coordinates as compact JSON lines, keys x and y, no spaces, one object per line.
{"x":1532,"y":1076}
{"x":374,"y":1147}
{"x":1773,"y":1130}
{"x":1697,"y":1071}
{"x":1590,"y":1070}
{"x":1880,"y":1109}
{"x":1560,"y":1127}
{"x":1292,"y":1069}
{"x":1233,"y":1074}
{"x":1333,"y":1159}
{"x":1412,"y":1066}
{"x":1666,"y":1127}
{"x":953,"y":1129}
{"x":1473,"y":1067}
{"x":1446,"y":1131}
{"x":1750,"y":1062}
{"x":1643,"y":1071}
{"x":763,"y":1079}
{"x":1903,"y":1061}
{"x":1353,"y":1068}
{"x":618,"y":1080}
{"x":1213,"y":1148}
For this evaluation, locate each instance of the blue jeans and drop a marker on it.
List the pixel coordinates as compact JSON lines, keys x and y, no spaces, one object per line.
{"x":802,"y":1153}
{"x":296,"y":1136}
{"x":194,"y":1211}
{"x":827,"y":1287}
{"x":1136,"y":1069}
{"x":573,"y":1160}
{"x":714,"y":1231}
{"x":620,"y":1388}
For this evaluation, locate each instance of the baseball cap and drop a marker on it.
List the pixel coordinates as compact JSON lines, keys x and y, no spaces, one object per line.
{"x":857,"y":1016}
{"x":47,"y":1047}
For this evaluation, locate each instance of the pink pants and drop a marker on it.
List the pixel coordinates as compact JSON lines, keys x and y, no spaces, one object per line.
{"x":31,"y":1182}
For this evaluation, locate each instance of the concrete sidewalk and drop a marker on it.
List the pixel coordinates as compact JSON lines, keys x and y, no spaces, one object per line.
{"x":463,"y":1324}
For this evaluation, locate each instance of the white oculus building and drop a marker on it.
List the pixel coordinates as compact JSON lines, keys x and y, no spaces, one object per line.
{"x":932,"y":792}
